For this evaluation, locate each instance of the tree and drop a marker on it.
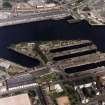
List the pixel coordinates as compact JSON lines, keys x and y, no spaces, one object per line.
{"x":7,"y":5}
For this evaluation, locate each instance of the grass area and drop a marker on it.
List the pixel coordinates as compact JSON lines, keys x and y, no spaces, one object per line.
{"x":43,"y":57}
{"x":13,"y":70}
{"x":73,"y":95}
{"x":50,"y":77}
{"x":25,"y":49}
{"x":31,"y":50}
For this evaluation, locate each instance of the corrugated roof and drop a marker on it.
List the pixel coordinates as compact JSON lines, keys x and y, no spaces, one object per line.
{"x":20,"y":80}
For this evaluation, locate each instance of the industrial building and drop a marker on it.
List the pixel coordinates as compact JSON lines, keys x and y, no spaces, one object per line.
{"x":22,"y":99}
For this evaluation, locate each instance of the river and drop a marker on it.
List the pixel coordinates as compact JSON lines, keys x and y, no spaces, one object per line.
{"x":46,"y":30}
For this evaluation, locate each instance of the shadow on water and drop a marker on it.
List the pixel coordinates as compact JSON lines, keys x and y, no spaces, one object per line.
{"x":97,"y":35}
{"x":47,"y":30}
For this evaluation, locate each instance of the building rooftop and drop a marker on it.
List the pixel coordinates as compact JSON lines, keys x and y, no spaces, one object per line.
{"x":20,"y":80}
{"x":56,"y":88}
{"x":22,"y":99}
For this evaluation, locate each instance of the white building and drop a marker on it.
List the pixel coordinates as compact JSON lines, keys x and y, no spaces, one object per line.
{"x":55,"y":88}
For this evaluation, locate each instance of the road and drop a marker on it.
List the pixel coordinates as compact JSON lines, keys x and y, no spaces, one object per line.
{"x":51,"y":14}
{"x":63,"y":11}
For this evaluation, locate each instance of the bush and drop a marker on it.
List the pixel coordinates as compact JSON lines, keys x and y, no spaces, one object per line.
{"x":7,"y":5}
